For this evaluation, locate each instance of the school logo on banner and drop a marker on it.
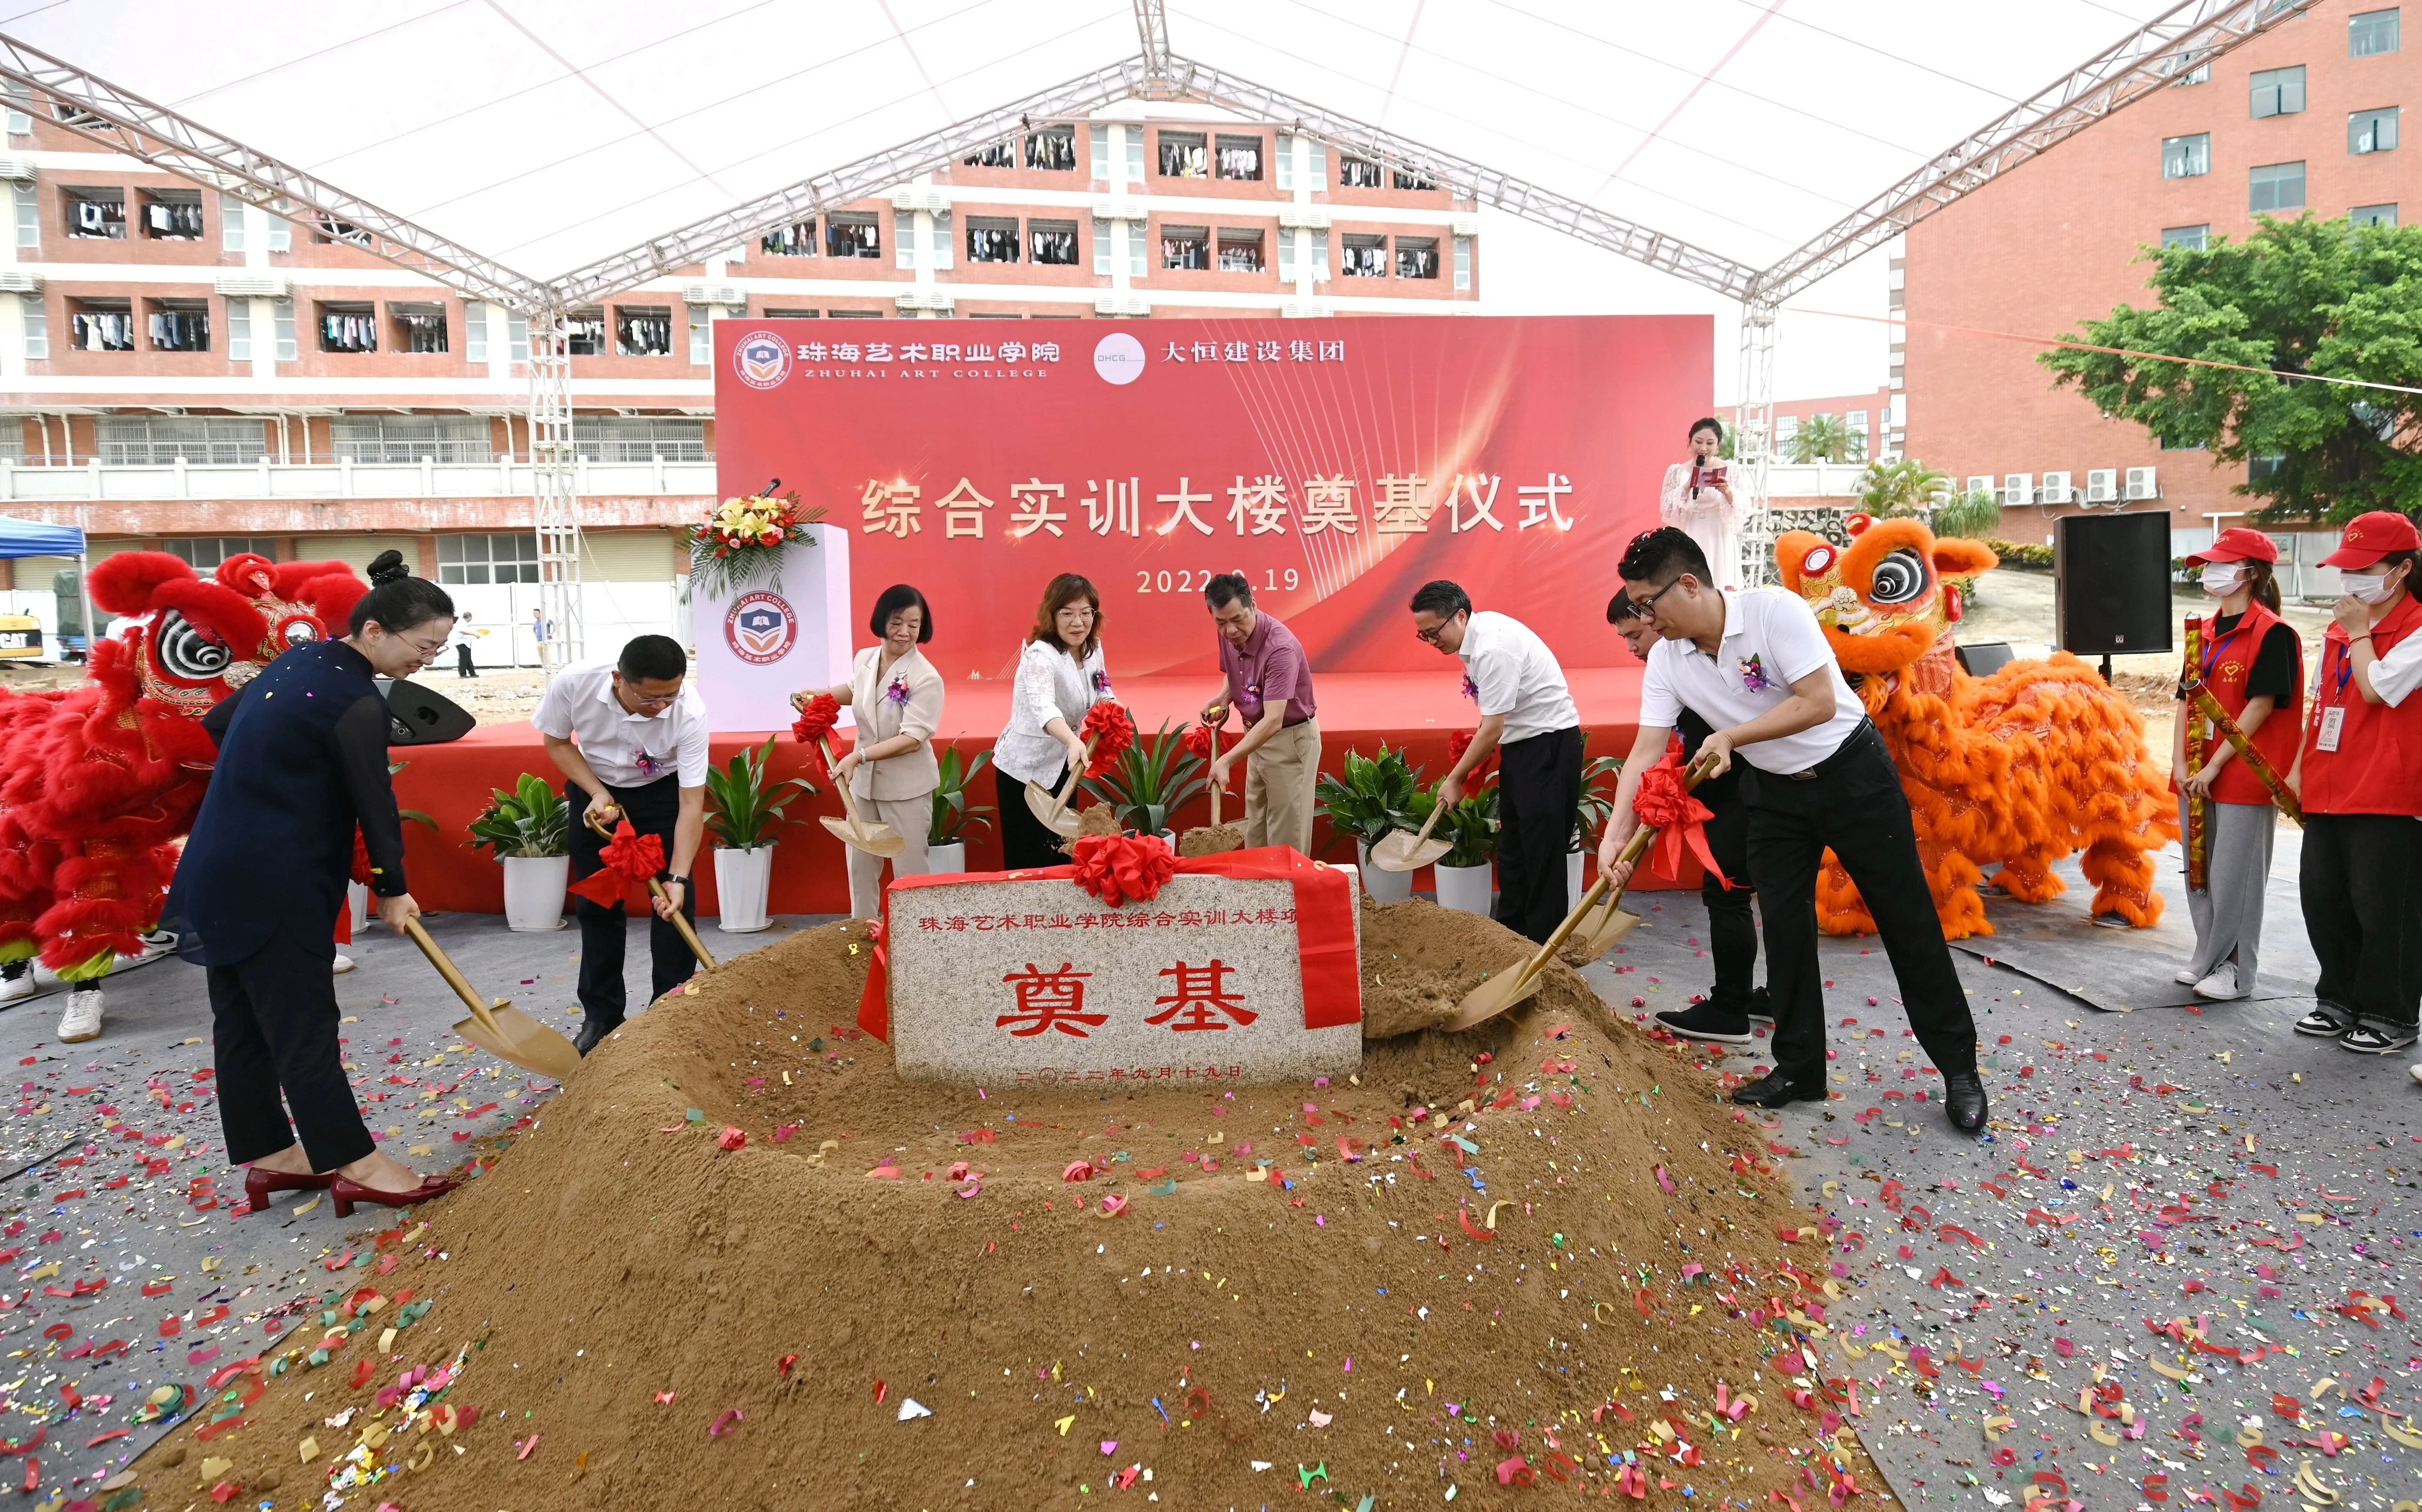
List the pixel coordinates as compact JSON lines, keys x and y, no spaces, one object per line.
{"x":1118,"y":357}
{"x":761,"y":627}
{"x":762,"y":360}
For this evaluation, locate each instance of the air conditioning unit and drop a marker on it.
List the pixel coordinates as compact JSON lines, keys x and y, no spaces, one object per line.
{"x":920,"y":198}
{"x":1122,"y":305}
{"x":18,"y":281}
{"x":2055,"y":490}
{"x":2142,"y":483}
{"x":1464,"y":226}
{"x":713,"y":294}
{"x":926,"y":299}
{"x":17,"y":168}
{"x":254,"y":285}
{"x":2102,"y":485}
{"x":2017,"y":488}
{"x":1132,"y":210}
{"x":1313,"y":216}
{"x":1306,"y":309}
{"x":1976,"y":485}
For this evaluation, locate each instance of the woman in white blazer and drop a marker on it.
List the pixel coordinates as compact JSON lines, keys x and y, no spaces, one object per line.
{"x":895,"y":696}
{"x":1060,"y":676}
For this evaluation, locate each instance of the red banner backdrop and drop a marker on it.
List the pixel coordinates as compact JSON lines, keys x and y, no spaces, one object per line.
{"x":1338,"y":463}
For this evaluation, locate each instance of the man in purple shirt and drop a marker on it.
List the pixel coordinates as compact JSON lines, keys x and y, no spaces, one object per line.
{"x":1270,"y":684}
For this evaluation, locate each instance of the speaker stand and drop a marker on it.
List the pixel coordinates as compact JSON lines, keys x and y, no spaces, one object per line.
{"x":2106,"y":670}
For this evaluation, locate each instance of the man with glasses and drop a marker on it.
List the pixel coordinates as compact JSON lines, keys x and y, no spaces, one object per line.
{"x":1526,"y":716}
{"x":1754,"y":664}
{"x":630,"y":739}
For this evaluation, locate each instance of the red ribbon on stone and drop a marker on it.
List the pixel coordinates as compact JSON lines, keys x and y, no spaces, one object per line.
{"x":1107,"y":725}
{"x":1118,"y":868}
{"x":628,"y":857}
{"x":1664,"y":801}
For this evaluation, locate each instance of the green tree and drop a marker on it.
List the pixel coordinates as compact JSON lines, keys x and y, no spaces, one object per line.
{"x":1824,"y":438}
{"x":2311,"y":297}
{"x":1974,"y":516}
{"x":1903,"y":486}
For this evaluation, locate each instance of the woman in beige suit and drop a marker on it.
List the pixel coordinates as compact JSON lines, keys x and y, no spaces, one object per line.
{"x":896,"y":695}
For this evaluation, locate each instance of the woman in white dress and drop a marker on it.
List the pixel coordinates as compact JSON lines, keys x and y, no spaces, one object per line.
{"x":1060,"y":676}
{"x":1697,"y":501}
{"x":895,"y":696}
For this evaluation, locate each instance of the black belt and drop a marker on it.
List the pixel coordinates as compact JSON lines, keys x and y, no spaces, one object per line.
{"x":1866,"y":727}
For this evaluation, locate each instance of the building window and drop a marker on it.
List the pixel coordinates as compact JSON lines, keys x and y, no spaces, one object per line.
{"x":98,"y":214}
{"x":2200,"y":73}
{"x":1102,"y":246}
{"x":157,"y":440}
{"x":2372,"y":131}
{"x":2264,"y":466}
{"x":584,"y":333}
{"x":474,"y":331}
{"x":230,"y":223}
{"x":282,"y":314}
{"x":797,"y":240}
{"x":773,"y":314}
{"x":1287,"y":259}
{"x":2186,"y":157}
{"x":991,"y":239}
{"x":36,"y":320}
{"x":1185,"y":246}
{"x":2278,"y":91}
{"x":1052,"y":150}
{"x":406,"y":438}
{"x":20,"y":99}
{"x":1411,"y":179}
{"x":1240,"y":251}
{"x":1463,"y":262}
{"x":179,"y":324}
{"x":328,"y":229}
{"x":1364,"y":256}
{"x":1320,"y":256}
{"x":643,"y":330}
{"x":102,"y":325}
{"x":2194,"y":238}
{"x":2373,"y":214}
{"x":281,"y":234}
{"x":2371,"y":33}
{"x":205,"y":554}
{"x":993,"y":155}
{"x":2168,"y":444}
{"x":239,"y":330}
{"x":29,"y":215}
{"x":1052,"y":242}
{"x":639,"y":437}
{"x":1134,"y":154}
{"x":172,"y":214}
{"x":2277,"y":186}
{"x":348,"y":328}
{"x":473,"y":559}
{"x":1417,"y":257}
{"x":1099,"y":136}
{"x":852,"y":234}
{"x":1183,"y":155}
{"x":1240,"y":157}
{"x":1357,"y":173}
{"x":419,"y":327}
{"x":853,"y":314}
{"x":702,"y":333}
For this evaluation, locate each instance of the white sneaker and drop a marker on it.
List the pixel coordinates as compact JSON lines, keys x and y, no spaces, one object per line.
{"x":82,"y":1021}
{"x":343,"y":963}
{"x":2222,"y":984}
{"x":2187,"y":978}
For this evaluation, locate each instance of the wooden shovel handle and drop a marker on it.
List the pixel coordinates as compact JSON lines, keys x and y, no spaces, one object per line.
{"x":453,"y":975}
{"x":1632,"y":851}
{"x":848,"y":800}
{"x":1215,"y":786}
{"x":1075,"y":774}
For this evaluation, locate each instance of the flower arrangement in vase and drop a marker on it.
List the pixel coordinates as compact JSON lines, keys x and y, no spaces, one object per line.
{"x":740,"y":544}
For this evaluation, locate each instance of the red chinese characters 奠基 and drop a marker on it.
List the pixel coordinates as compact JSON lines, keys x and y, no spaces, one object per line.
{"x":1198,"y":996}
{"x":1050,"y":1000}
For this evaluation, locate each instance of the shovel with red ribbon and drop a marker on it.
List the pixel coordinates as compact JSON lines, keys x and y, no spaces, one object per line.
{"x":630,"y":857}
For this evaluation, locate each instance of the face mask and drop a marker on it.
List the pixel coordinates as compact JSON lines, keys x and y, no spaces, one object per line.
{"x":2371,"y":588}
{"x":2219,"y":580}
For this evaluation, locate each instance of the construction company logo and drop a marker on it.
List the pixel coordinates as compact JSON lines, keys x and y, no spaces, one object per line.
{"x":762,"y":360}
{"x":761,"y":627}
{"x":1119,"y":359}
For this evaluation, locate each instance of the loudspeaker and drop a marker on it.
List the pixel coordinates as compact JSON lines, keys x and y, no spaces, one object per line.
{"x":416,"y":716}
{"x":2110,"y":583}
{"x":1984,"y":658}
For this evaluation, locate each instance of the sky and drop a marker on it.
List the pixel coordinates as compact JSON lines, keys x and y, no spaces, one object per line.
{"x":549,"y":134}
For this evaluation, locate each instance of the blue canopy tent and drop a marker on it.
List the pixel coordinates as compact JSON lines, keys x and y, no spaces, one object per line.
{"x":26,"y":538}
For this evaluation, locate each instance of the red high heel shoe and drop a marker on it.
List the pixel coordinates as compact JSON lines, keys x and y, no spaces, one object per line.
{"x":259,"y":1185}
{"x":347,"y":1192}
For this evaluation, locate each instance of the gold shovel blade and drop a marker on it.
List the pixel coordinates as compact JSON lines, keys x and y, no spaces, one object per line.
{"x":1401,"y":851}
{"x":1493,"y":997}
{"x":1042,"y":803}
{"x":877,"y":840}
{"x":522,"y":1040}
{"x":1600,"y":930}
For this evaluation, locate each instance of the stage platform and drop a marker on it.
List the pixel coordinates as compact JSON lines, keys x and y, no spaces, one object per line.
{"x":1418,"y":710}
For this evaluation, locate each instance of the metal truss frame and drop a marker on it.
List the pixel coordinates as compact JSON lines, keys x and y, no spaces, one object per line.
{"x":555,"y":492}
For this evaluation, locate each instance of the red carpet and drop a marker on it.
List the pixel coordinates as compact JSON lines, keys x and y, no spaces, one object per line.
{"x":1418,"y":711}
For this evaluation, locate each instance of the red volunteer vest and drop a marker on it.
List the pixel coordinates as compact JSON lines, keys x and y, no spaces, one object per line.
{"x":2378,"y":766}
{"x":2227,"y":661}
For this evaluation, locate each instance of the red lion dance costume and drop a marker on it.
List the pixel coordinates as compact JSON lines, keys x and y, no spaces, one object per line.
{"x":2022,"y":768}
{"x":98,"y":780}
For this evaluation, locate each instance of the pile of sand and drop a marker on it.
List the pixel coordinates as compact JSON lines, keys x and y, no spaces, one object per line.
{"x":1210,"y":839}
{"x":891,"y":1297}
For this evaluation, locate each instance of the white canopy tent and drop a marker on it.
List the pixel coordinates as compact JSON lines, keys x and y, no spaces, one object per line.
{"x":1750,"y":148}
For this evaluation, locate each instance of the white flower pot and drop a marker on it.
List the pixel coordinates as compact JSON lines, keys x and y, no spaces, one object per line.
{"x":1466,"y":887}
{"x":1383,"y":885}
{"x":1573,"y":886}
{"x":534,"y":888}
{"x":357,"y":904}
{"x":947,"y":860}
{"x":743,"y":879}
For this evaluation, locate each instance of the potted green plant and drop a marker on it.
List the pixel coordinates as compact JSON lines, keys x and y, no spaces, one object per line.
{"x":530,"y":830}
{"x":1591,"y":811}
{"x":1466,"y":873}
{"x":1151,"y":780}
{"x":946,"y":844}
{"x":743,"y":811}
{"x":1369,"y":798}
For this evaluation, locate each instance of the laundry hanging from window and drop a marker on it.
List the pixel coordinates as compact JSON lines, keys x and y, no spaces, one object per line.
{"x":644,"y":330}
{"x":991,"y":239}
{"x":424,"y":329}
{"x":173,"y":220}
{"x":104,"y":330}
{"x":348,"y":330}
{"x":176,"y":328}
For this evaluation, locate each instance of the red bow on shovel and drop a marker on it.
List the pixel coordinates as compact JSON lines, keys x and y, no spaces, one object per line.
{"x":1665,"y":803}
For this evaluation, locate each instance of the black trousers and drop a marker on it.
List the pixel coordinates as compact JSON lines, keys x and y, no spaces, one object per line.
{"x":1538,"y":784}
{"x":463,"y":661}
{"x":652,"y":810}
{"x":1854,"y":804}
{"x":2360,"y":876}
{"x":1732,"y":927}
{"x":1024,"y":840}
{"x":273,"y":1025}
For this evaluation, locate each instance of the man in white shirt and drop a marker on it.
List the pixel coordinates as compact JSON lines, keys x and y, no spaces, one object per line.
{"x":1526,"y":716}
{"x":1754,"y":664}
{"x":630,"y":739}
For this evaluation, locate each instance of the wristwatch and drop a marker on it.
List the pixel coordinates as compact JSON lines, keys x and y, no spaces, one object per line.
{"x":669,"y":876}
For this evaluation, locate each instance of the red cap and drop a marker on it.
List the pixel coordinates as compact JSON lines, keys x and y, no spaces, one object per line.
{"x":2236,"y":543}
{"x":2370,"y":536}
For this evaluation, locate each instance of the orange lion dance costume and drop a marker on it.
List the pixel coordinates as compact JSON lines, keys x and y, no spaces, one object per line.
{"x":2022,"y":768}
{"x":97,"y":780}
